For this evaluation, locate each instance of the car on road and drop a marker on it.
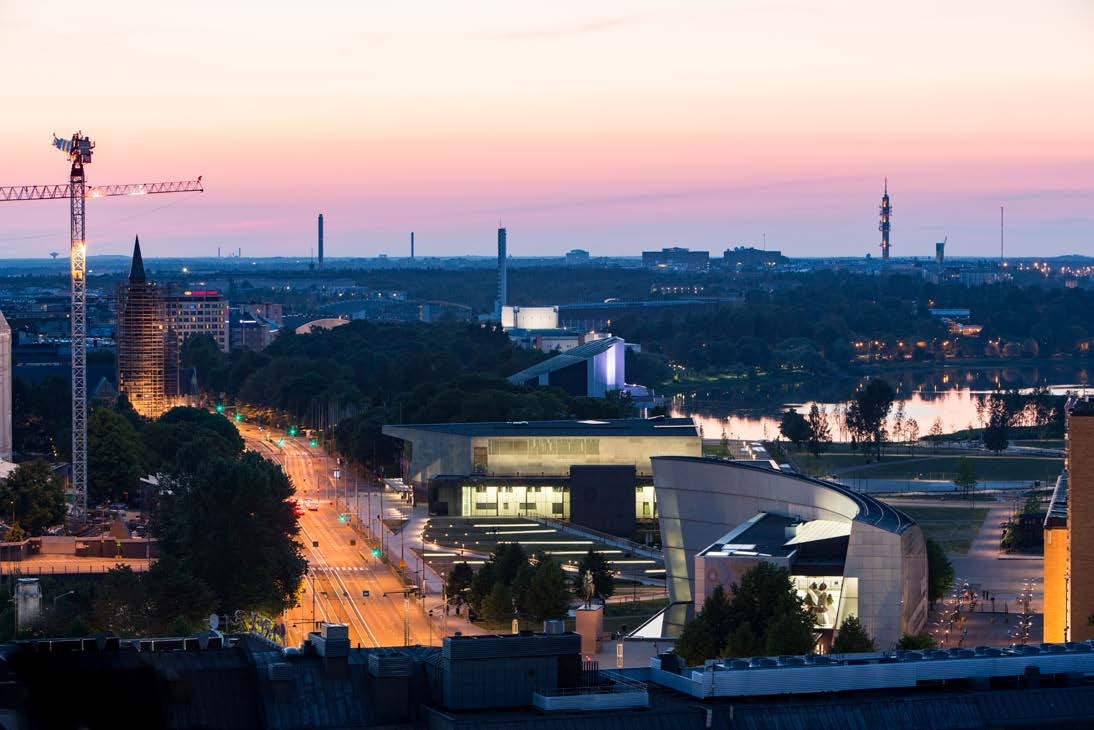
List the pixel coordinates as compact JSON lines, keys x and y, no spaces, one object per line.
{"x":298,"y":509}
{"x":311,"y":504}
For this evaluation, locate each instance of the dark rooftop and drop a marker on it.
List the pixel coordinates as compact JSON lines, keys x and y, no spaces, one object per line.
{"x":588,"y":428}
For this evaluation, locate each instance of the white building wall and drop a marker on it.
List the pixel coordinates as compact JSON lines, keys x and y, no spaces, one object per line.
{"x":698,"y":501}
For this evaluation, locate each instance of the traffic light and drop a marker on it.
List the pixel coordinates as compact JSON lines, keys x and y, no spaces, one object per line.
{"x":375,"y":552}
{"x":238,"y":416}
{"x":220,"y":408}
{"x":341,"y":516}
{"x":313,"y":442}
{"x":292,"y":430}
{"x":281,"y":442}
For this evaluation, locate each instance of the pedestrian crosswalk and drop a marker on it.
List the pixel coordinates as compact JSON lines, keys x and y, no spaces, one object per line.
{"x":340,"y":569}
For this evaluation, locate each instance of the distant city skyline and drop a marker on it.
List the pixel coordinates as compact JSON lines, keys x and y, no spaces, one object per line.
{"x":609,"y":126}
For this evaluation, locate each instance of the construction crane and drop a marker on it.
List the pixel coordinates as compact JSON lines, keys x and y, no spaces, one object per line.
{"x":79,"y":149}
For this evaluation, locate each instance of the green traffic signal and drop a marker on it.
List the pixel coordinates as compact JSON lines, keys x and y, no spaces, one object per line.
{"x":342,"y":517}
{"x":220,"y":408}
{"x":292,"y":430}
{"x":313,"y":442}
{"x":238,"y":416}
{"x":281,"y":442}
{"x":375,"y":552}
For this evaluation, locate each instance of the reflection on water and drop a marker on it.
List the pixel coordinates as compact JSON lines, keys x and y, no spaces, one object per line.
{"x":751,"y":412}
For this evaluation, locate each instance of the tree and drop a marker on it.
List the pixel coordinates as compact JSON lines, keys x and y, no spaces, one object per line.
{"x":935,"y":434}
{"x":182,"y":438}
{"x":820,"y":436}
{"x":36,"y":494}
{"x":965,"y":476}
{"x":458,"y":583}
{"x":911,"y":432}
{"x":547,"y":595}
{"x":916,"y":642}
{"x":180,"y":602}
{"x":603,"y":579}
{"x":996,"y":432}
{"x":498,"y":605}
{"x":794,"y":427}
{"x":852,"y":637}
{"x":1032,"y":505}
{"x":867,"y":413}
{"x":115,"y":457}
{"x":705,"y":635}
{"x":120,"y":606}
{"x":939,"y":571}
{"x":230,"y":526}
{"x":790,"y":633}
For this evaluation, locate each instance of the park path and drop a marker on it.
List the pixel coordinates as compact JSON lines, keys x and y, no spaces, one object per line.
{"x":984,"y":567}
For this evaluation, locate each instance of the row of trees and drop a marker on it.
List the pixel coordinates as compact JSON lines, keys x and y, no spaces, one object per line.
{"x":511,"y":582}
{"x":825,"y":321}
{"x":365,"y":374}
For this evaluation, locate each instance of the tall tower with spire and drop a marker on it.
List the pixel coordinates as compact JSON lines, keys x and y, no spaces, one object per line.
{"x":886,"y":221}
{"x":141,"y":340}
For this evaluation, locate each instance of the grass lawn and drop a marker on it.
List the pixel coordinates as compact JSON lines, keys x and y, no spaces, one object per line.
{"x":952,"y":527}
{"x":928,"y":466}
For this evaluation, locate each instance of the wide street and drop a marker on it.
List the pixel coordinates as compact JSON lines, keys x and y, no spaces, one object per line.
{"x":340,"y":563}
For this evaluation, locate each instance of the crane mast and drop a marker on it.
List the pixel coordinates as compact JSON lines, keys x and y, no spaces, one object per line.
{"x":79,"y":149}
{"x":78,"y":266}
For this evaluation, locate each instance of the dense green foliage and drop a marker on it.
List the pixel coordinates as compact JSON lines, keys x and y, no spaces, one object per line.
{"x":867,"y":414}
{"x":916,"y":642}
{"x":826,"y":321}
{"x":762,"y":614}
{"x":852,"y":637}
{"x":364,"y":374}
{"x":34,"y":495}
{"x":116,"y":459}
{"x":510,"y":584}
{"x":229,"y":526}
{"x":940,"y":572}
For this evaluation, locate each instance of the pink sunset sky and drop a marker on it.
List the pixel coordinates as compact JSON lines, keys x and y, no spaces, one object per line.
{"x":609,"y":126}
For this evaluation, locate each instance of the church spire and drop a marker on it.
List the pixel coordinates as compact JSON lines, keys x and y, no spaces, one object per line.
{"x":136,"y":273}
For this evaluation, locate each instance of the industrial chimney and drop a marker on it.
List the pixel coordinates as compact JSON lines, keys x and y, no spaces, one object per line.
{"x":502,"y":264}
{"x":412,"y":245}
{"x":320,"y":239}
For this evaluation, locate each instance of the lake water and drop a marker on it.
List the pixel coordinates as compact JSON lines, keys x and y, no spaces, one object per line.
{"x":952,"y":394}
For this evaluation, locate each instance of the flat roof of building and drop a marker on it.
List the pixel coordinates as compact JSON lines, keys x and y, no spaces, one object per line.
{"x":586,"y":428}
{"x":573,"y":356}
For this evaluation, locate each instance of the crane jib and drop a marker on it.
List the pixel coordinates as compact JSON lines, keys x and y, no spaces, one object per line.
{"x":52,"y":192}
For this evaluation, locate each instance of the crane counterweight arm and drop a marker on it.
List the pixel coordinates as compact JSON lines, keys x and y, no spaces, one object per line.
{"x":49,"y":192}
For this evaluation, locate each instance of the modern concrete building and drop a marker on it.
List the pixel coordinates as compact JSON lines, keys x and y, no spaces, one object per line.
{"x":719,"y":517}
{"x":1069,"y":537}
{"x":5,"y":389}
{"x":594,"y":473}
{"x":540,"y":448}
{"x":591,"y":370}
